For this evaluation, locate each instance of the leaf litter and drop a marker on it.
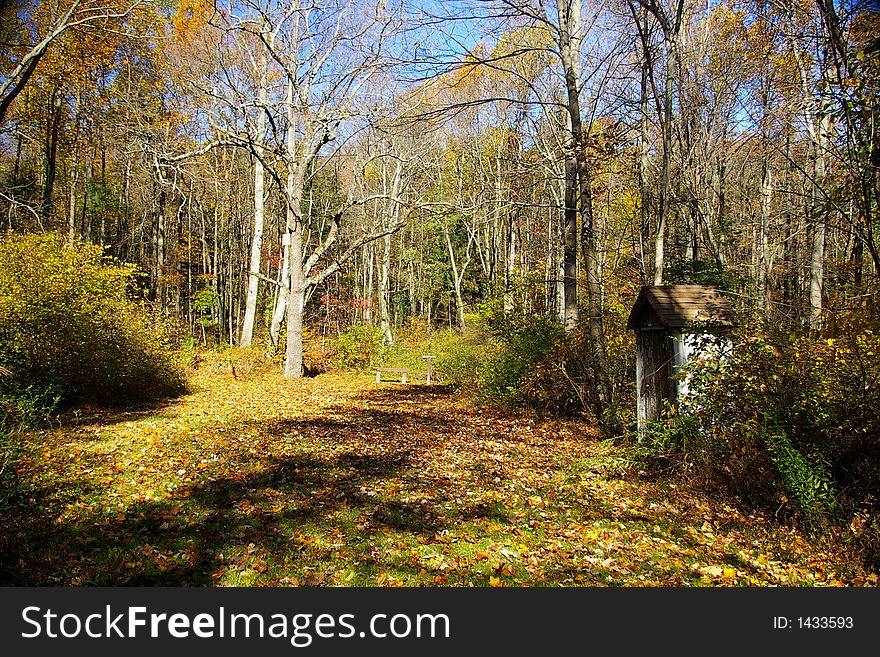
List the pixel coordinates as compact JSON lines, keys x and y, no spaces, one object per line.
{"x":339,"y":481}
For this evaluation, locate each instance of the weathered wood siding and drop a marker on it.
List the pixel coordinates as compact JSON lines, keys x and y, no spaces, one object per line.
{"x":654,"y":373}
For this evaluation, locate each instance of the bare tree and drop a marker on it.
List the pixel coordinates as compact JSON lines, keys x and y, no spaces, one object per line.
{"x":247,"y":327}
{"x":325,"y":56}
{"x":669,"y":18}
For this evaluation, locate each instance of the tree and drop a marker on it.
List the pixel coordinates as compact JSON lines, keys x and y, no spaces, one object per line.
{"x":568,"y":28}
{"x":849,"y":85}
{"x":38,"y":26}
{"x":670,"y":20}
{"x":247,"y":327}
{"x":325,"y":56}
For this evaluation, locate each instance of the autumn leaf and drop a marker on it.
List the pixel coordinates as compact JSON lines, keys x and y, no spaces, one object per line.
{"x":377,"y":487}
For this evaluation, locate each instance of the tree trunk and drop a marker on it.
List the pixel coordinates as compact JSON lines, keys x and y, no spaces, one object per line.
{"x":763,"y":248}
{"x":369,"y":262}
{"x":569,"y":13}
{"x":85,"y":216}
{"x":817,"y":272}
{"x":594,"y":284}
{"x":296,"y":298}
{"x":157,"y":291}
{"x":643,"y":166}
{"x":569,"y":246}
{"x":281,"y":298}
{"x":817,"y":250}
{"x":385,"y":292}
{"x":51,"y":150}
{"x":250,"y":310}
{"x":666,"y":162}
{"x":71,"y":210}
{"x":295,"y":305}
{"x":457,"y":276}
{"x":390,"y":214}
{"x":510,"y":270}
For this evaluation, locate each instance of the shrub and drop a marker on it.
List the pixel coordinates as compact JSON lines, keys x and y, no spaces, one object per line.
{"x":459,"y":357}
{"x":9,"y":483}
{"x":240,"y":363}
{"x":523,"y":343}
{"x":204,"y":303}
{"x":541,"y":366}
{"x":805,"y":477}
{"x":563,"y":380}
{"x":790,"y":421}
{"x":69,"y":333}
{"x":359,"y":347}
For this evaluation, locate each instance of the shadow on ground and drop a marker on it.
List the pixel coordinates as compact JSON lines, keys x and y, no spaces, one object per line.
{"x":256,"y":515}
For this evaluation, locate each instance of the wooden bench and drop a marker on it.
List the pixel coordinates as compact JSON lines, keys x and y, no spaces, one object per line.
{"x":392,"y":370}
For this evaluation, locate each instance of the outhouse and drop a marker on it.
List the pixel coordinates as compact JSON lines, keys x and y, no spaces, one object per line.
{"x":671,"y":322}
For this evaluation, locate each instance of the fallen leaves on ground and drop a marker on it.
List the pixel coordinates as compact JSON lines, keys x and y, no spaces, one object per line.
{"x":339,"y":481}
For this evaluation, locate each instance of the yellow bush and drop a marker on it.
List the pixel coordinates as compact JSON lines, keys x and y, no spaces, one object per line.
{"x":67,"y":326}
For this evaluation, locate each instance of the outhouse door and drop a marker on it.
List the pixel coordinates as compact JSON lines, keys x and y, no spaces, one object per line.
{"x":654,"y":373}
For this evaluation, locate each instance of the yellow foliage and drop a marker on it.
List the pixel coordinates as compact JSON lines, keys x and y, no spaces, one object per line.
{"x":191,"y":16}
{"x":522,"y":55}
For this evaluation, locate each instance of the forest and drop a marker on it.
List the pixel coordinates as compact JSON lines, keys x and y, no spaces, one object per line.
{"x":219,"y":218}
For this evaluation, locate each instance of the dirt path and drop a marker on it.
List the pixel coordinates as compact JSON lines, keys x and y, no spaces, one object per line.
{"x":341,"y":481}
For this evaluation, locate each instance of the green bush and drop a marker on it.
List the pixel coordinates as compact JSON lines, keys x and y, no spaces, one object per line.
{"x":68,"y":332}
{"x":541,"y":366}
{"x":563,"y":380}
{"x":804,"y":477}
{"x":790,"y":421}
{"x":359,"y":347}
{"x":25,"y":406}
{"x":523,"y":343}
{"x":9,"y":484}
{"x":459,"y":357}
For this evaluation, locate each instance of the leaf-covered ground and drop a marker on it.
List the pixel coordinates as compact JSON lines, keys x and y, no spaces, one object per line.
{"x":338,"y":480}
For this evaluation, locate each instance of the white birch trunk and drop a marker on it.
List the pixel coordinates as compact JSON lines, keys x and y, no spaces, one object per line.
{"x":385,"y":292}
{"x":281,"y":298}
{"x":250,"y":309}
{"x":763,"y":232}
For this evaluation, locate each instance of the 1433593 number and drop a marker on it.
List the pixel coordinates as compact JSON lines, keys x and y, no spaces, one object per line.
{"x":825,"y":622}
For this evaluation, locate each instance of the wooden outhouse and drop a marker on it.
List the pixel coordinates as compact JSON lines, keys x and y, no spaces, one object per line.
{"x":668,"y":321}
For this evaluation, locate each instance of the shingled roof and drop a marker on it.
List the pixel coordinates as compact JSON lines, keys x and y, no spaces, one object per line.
{"x":677,"y":306}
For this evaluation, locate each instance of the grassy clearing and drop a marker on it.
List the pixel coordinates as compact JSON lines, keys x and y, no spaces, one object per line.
{"x":341,"y":481}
